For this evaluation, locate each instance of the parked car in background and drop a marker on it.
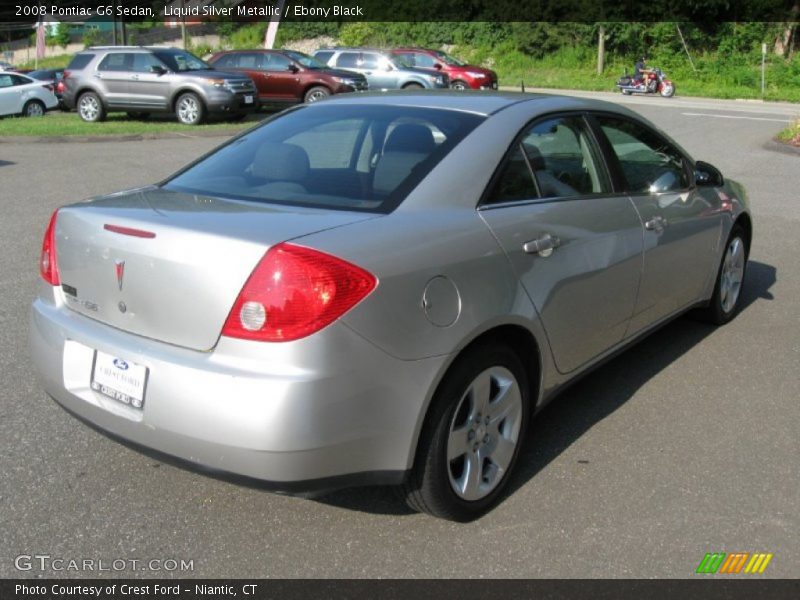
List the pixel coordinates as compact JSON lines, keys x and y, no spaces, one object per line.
{"x":462,"y":76}
{"x":383,"y":71}
{"x":288,"y":76}
{"x":6,"y":66}
{"x":55,"y":78}
{"x":21,"y":95}
{"x":381,"y":288}
{"x":143,"y":80}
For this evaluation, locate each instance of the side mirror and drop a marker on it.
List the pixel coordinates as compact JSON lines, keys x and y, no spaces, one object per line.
{"x":292,"y":68}
{"x":158,"y":69}
{"x":707,"y":175}
{"x":388,"y":67}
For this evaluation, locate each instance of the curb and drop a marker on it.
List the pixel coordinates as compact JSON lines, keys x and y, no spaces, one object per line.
{"x":136,"y":137}
{"x":776,"y":146}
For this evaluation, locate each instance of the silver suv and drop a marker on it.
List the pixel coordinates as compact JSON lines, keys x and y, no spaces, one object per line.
{"x":382,"y":70}
{"x":143,"y":80}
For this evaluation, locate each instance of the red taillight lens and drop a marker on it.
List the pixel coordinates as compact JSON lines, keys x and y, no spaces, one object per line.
{"x":48,"y":266}
{"x":293,"y":292}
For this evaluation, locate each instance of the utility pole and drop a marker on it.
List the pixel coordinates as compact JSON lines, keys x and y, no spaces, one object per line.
{"x":601,"y":50}
{"x":183,"y":23}
{"x":763,"y":68}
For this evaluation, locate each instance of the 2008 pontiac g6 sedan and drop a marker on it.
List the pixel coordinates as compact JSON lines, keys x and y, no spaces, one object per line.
{"x":381,"y":289}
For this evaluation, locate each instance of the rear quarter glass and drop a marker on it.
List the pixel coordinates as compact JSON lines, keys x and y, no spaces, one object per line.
{"x":79,"y":61}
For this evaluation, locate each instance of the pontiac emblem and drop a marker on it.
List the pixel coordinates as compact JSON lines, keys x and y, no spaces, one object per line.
{"x":119,"y":265}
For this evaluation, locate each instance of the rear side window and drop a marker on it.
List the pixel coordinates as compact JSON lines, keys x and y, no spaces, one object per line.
{"x":226,"y":61}
{"x":6,"y":81}
{"x":360,"y":157}
{"x":347,"y":60}
{"x":79,"y":61}
{"x":118,"y":61}
{"x":248,"y":60}
{"x":323,"y":56}
{"x":649,"y":162}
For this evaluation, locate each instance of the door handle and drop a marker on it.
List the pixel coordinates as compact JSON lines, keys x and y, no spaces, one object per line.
{"x":543,"y":246}
{"x":656,"y":224}
{"x":134,"y":78}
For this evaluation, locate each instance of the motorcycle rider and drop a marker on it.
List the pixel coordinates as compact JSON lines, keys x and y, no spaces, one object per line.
{"x":641,"y":73}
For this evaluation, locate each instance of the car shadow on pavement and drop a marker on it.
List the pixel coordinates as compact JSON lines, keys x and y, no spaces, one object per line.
{"x":587,"y":402}
{"x":5,"y":163}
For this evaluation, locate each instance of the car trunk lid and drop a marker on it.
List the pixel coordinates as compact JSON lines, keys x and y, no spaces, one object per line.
{"x":168,"y":265}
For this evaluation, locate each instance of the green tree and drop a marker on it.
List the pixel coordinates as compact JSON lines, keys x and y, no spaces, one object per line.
{"x":63,"y":35}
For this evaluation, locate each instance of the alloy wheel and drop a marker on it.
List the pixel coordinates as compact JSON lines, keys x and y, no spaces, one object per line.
{"x":188,"y":110}
{"x":484,"y":433}
{"x":89,"y":108}
{"x":731,"y":274}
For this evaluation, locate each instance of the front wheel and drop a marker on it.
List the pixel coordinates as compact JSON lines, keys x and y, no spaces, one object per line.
{"x":33,"y":108}
{"x":472,"y":434}
{"x":667,"y":90}
{"x":315,"y":94}
{"x":190,"y":109}
{"x":459,"y":85}
{"x":726,"y":299}
{"x":412,"y":86}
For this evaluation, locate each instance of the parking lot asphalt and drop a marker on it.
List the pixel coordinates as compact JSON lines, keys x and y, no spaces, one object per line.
{"x":685,"y":444}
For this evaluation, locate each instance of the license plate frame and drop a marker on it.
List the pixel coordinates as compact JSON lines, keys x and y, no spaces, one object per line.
{"x":119,"y":379}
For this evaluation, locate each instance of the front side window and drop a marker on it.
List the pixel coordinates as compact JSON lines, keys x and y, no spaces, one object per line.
{"x":143,"y":63}
{"x":370,"y":61}
{"x":277,"y":62}
{"x":649,"y":163}
{"x":365,"y":158}
{"x":181,"y":61}
{"x":423,"y":60}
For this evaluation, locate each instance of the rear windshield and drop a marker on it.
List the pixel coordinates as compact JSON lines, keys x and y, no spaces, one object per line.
{"x":79,"y":61}
{"x":346,"y":157}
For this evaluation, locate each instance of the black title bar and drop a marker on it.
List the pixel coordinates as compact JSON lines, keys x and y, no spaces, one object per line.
{"x":29,"y":11}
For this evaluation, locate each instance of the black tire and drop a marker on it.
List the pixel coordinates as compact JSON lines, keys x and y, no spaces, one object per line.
{"x":716,"y":312}
{"x":316,"y":93}
{"x":428,"y":487}
{"x":91,"y":108}
{"x":139,"y":116}
{"x":189,"y":109}
{"x":413,"y":86}
{"x":34,"y":108}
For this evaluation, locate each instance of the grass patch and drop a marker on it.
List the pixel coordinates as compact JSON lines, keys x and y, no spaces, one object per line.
{"x":790,"y":135}
{"x":57,"y":123}
{"x":49,"y":62}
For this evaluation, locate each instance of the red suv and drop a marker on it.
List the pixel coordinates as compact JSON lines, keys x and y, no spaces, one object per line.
{"x":288,"y":76}
{"x":462,"y":75}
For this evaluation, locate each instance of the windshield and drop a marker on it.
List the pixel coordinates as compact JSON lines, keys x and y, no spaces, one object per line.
{"x":181,"y":61}
{"x":450,"y":60}
{"x":351,"y":157}
{"x":309,"y":62}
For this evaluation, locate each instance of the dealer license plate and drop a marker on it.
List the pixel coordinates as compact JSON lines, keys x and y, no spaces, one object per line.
{"x":120,"y":379}
{"x":248,"y":99}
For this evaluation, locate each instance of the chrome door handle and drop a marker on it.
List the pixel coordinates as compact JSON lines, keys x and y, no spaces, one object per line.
{"x":542,"y":246}
{"x":656,"y":224}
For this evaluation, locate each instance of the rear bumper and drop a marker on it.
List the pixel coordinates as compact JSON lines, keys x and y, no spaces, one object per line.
{"x":325,"y":412}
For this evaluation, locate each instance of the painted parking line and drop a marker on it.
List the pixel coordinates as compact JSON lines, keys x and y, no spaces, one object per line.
{"x":736,"y":117}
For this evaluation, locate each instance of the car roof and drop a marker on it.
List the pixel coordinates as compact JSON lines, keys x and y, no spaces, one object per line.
{"x":477,"y":101}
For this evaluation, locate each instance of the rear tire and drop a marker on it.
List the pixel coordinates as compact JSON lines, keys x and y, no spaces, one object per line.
{"x":189,"y":109}
{"x":315,"y":94}
{"x":413,"y":86}
{"x":472,"y":434}
{"x":33,"y":108}
{"x":91,"y":108}
{"x":726,"y":299}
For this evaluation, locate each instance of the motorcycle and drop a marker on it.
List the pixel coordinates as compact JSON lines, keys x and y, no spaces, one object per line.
{"x":653,"y":82}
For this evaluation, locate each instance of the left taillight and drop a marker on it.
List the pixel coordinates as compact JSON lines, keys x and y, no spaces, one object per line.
{"x":48,"y":265}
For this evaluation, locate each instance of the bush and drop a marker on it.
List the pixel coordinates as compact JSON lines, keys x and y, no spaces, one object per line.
{"x":91,"y":37}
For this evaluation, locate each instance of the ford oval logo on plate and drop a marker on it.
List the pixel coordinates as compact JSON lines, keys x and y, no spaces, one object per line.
{"x":120,"y":364}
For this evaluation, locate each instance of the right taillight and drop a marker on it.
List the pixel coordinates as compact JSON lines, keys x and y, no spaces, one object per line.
{"x":293,"y":292}
{"x":48,"y":265}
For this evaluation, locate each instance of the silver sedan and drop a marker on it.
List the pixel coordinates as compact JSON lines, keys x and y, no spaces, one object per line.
{"x":381,"y":289}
